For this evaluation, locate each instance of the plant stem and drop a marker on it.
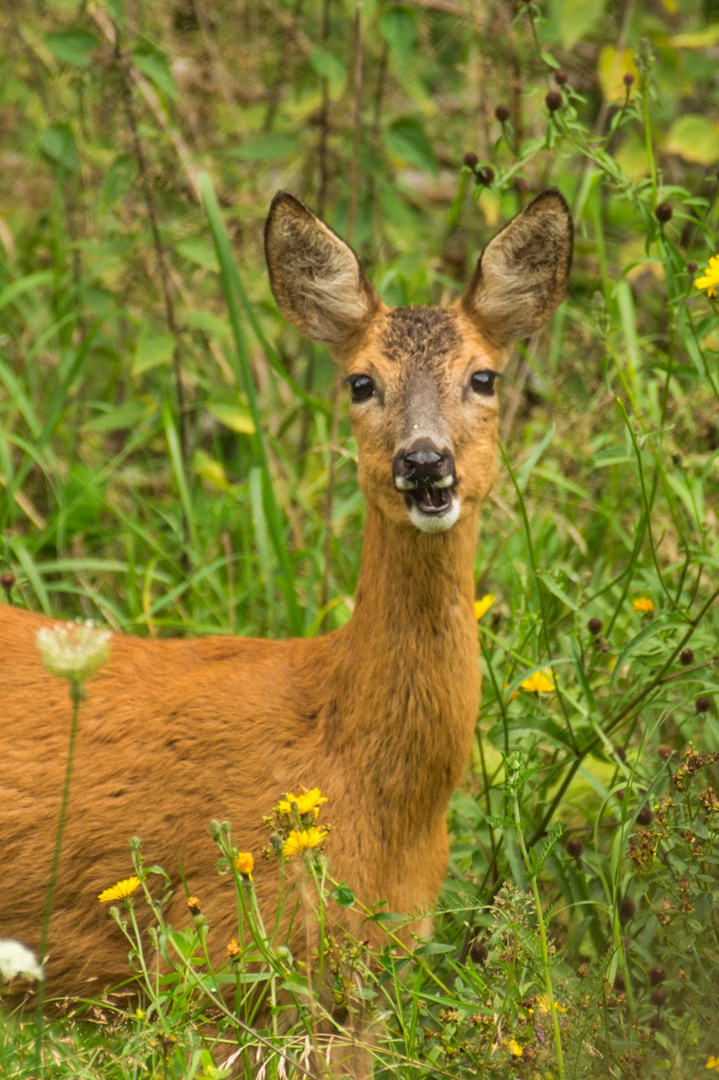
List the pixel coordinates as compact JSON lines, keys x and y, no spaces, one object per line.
{"x":77,"y":694}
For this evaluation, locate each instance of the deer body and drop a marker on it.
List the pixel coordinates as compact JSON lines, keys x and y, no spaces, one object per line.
{"x":379,"y":714}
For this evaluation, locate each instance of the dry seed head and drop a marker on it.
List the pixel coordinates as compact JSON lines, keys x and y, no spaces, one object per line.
{"x":470,"y":159}
{"x":703,"y":704}
{"x":594,"y":626}
{"x":645,"y":816}
{"x":553,"y":100}
{"x":502,"y":113}
{"x":686,"y":657}
{"x":664,"y":212}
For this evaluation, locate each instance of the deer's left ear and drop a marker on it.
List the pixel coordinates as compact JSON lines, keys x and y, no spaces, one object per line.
{"x":522,"y":273}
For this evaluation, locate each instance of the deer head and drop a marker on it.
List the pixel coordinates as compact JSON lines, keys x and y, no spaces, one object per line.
{"x":422,"y":380}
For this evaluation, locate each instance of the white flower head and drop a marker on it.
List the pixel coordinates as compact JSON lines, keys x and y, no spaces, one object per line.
{"x":73,"y":651}
{"x":17,"y":959}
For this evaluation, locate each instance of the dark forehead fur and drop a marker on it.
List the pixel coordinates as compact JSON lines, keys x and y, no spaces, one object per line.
{"x":420,"y":333}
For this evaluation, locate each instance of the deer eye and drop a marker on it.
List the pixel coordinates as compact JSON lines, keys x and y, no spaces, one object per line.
{"x":361,"y":387}
{"x":483,"y":382}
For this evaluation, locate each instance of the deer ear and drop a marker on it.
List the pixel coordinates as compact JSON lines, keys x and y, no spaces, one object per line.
{"x":316,"y":278}
{"x":522,"y":273}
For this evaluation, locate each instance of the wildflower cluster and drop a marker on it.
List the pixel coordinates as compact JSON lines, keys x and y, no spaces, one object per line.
{"x":293,"y":822}
{"x":73,"y":651}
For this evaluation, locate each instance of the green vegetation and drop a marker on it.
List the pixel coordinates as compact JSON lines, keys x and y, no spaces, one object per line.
{"x":173,"y":461}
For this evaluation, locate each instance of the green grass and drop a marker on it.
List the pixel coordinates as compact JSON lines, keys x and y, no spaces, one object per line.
{"x":166,"y":443}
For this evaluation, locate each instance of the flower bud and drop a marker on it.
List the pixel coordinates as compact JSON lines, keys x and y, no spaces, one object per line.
{"x":645,"y":816}
{"x":470,"y":160}
{"x":502,"y":113}
{"x":594,"y":626}
{"x":686,"y":656}
{"x":628,"y":79}
{"x":703,"y":704}
{"x":657,"y":975}
{"x":553,"y":100}
{"x":479,"y":952}
{"x":664,"y":212}
{"x":658,"y":997}
{"x":627,"y":909}
{"x":574,"y":847}
{"x":560,"y":77}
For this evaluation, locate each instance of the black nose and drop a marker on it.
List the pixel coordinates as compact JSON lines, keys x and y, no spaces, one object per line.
{"x":422,"y":463}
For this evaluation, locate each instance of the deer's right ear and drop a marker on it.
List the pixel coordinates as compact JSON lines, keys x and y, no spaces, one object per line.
{"x":522,"y":273}
{"x":316,"y":278}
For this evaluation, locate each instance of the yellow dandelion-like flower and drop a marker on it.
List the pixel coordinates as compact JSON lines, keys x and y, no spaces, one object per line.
{"x":710,"y":281}
{"x":307,"y":802}
{"x":482,"y":606}
{"x":233,"y":949}
{"x":194,"y":905}
{"x":302,"y":840}
{"x":540,"y":682}
{"x":643,"y":604}
{"x":514,"y":1048}
{"x":245,"y":863}
{"x":713,"y":1063}
{"x":121,"y":891}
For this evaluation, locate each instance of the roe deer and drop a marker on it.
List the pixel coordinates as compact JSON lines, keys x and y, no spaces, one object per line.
{"x":379,"y":714}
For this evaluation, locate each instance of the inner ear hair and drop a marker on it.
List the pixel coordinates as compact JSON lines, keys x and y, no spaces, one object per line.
{"x":522,"y":273}
{"x":316,"y":278}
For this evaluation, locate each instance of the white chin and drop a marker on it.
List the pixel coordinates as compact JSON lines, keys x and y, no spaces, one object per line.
{"x":435,"y":523}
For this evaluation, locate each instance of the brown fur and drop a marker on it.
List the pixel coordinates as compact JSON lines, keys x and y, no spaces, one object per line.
{"x":380,"y":714}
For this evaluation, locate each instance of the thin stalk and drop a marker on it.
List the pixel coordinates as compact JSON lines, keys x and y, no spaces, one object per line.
{"x":77,"y":694}
{"x":542,"y":939}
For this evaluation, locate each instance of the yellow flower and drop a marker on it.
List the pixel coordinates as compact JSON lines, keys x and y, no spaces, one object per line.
{"x":299,"y":841}
{"x":712,"y":1063}
{"x":481,"y":607}
{"x":233,"y":949}
{"x":711,"y":277}
{"x":194,"y":905}
{"x":514,"y":1048}
{"x":245,"y":863}
{"x":121,"y":891}
{"x":643,"y":604}
{"x":307,"y":802}
{"x":540,"y":682}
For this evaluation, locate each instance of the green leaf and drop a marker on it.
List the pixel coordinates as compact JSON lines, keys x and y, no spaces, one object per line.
{"x":58,"y":142}
{"x":118,"y":181}
{"x":72,"y":46}
{"x":398,"y":27}
{"x":433,"y":948}
{"x":153,"y":348}
{"x":549,"y":583}
{"x":155,"y":66}
{"x":575,"y":18}
{"x":267,"y":147}
{"x":234,"y":417}
{"x":406,"y":138}
{"x":343,"y":895}
{"x":330,"y":67}
{"x":200,"y":253}
{"x":126,"y":416}
{"x":695,"y":138}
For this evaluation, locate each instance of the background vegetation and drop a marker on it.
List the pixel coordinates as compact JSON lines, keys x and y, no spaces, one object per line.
{"x":173,"y":459}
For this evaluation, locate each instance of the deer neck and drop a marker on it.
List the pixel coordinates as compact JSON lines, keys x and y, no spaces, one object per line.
{"x":408,"y":673}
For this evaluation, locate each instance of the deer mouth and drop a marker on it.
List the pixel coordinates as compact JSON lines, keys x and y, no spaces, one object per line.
{"x":433,"y":500}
